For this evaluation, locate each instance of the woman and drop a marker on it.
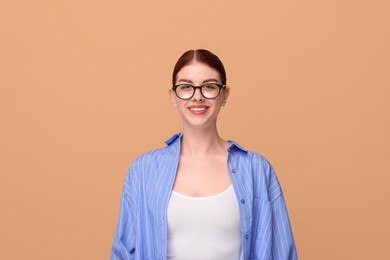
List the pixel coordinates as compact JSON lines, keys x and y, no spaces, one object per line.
{"x":202,"y":197}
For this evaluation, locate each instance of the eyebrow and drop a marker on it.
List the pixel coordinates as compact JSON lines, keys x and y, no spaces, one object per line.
{"x":204,"y":81}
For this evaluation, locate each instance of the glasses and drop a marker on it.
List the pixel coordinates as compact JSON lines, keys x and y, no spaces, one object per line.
{"x":187,"y":91}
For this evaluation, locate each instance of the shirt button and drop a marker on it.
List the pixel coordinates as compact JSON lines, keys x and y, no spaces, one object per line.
{"x":243,"y":201}
{"x":246,"y":236}
{"x":234,"y":171}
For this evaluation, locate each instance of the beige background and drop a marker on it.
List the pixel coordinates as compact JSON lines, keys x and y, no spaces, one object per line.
{"x":84,"y":91}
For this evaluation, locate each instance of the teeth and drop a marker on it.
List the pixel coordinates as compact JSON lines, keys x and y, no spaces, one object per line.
{"x":197,"y":108}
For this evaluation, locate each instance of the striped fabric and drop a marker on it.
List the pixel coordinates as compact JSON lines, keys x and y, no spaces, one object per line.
{"x":141,"y":231}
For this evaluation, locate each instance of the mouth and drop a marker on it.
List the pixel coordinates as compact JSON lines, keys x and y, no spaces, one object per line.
{"x":198,"y":109}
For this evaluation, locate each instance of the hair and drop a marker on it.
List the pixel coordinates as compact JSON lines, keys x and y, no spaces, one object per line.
{"x":203,"y":56}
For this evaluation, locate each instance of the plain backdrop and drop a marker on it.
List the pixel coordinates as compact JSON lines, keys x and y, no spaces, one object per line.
{"x":84,"y":90}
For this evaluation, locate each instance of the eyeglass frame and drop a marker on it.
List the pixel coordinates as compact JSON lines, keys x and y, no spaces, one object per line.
{"x":220,"y":86}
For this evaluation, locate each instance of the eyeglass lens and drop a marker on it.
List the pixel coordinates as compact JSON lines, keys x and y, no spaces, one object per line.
{"x":186,"y":91}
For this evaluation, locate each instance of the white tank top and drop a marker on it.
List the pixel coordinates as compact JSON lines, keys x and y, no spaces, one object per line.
{"x":201,"y":228}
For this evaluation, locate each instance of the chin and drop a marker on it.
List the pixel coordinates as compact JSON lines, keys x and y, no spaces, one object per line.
{"x":199,"y":122}
{"x":202,"y":120}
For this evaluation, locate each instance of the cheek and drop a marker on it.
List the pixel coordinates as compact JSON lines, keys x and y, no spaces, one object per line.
{"x":219,"y":101}
{"x":181,"y":106}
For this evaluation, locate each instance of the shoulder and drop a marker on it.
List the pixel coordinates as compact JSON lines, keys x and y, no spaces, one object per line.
{"x":259,"y":172}
{"x":147,"y":163}
{"x":256,"y":161}
{"x":160,"y":154}
{"x":149,"y":159}
{"x":156,"y":158}
{"x":264,"y":173}
{"x":260,"y":160}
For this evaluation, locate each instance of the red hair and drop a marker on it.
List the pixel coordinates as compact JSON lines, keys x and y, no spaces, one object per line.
{"x":203,"y":56}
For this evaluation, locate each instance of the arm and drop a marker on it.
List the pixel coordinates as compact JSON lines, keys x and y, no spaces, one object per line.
{"x":123,"y":247}
{"x":282,"y":238}
{"x":283,"y":246}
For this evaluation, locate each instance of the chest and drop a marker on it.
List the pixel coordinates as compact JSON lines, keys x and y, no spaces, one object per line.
{"x":201,"y":222}
{"x":202,"y":176}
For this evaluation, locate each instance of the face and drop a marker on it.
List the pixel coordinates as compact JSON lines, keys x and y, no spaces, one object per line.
{"x":199,"y":111}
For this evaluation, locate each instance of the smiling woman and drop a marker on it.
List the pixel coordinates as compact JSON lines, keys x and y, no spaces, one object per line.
{"x":202,"y":197}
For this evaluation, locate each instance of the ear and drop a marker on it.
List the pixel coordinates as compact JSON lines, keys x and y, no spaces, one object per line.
{"x":173,"y":97}
{"x":226,"y":93}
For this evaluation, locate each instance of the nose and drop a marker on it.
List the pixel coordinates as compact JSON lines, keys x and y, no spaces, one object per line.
{"x":197,"y":95}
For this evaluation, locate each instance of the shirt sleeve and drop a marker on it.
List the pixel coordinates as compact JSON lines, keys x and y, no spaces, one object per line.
{"x":123,"y":247}
{"x":282,"y":238}
{"x":283,"y":246}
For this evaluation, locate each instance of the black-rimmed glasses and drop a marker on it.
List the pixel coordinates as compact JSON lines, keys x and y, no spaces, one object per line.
{"x":187,"y":91}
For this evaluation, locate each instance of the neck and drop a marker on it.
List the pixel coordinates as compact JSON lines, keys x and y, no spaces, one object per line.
{"x":202,"y":140}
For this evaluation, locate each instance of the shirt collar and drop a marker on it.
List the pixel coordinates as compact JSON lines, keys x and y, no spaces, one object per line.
{"x":233,"y":145}
{"x":173,"y":138}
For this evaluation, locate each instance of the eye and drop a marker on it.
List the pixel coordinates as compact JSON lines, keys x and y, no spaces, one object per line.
{"x":210,"y":86}
{"x":184,"y":87}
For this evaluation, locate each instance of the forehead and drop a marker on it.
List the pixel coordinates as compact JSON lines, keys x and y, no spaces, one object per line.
{"x":197,"y":71}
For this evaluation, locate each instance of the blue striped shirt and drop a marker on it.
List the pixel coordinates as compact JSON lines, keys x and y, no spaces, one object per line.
{"x":141,"y":231}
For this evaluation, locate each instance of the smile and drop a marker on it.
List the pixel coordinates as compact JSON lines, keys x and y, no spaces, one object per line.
{"x":198,"y":109}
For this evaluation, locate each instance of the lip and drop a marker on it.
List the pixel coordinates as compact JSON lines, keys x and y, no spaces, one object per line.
{"x":198,"y":110}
